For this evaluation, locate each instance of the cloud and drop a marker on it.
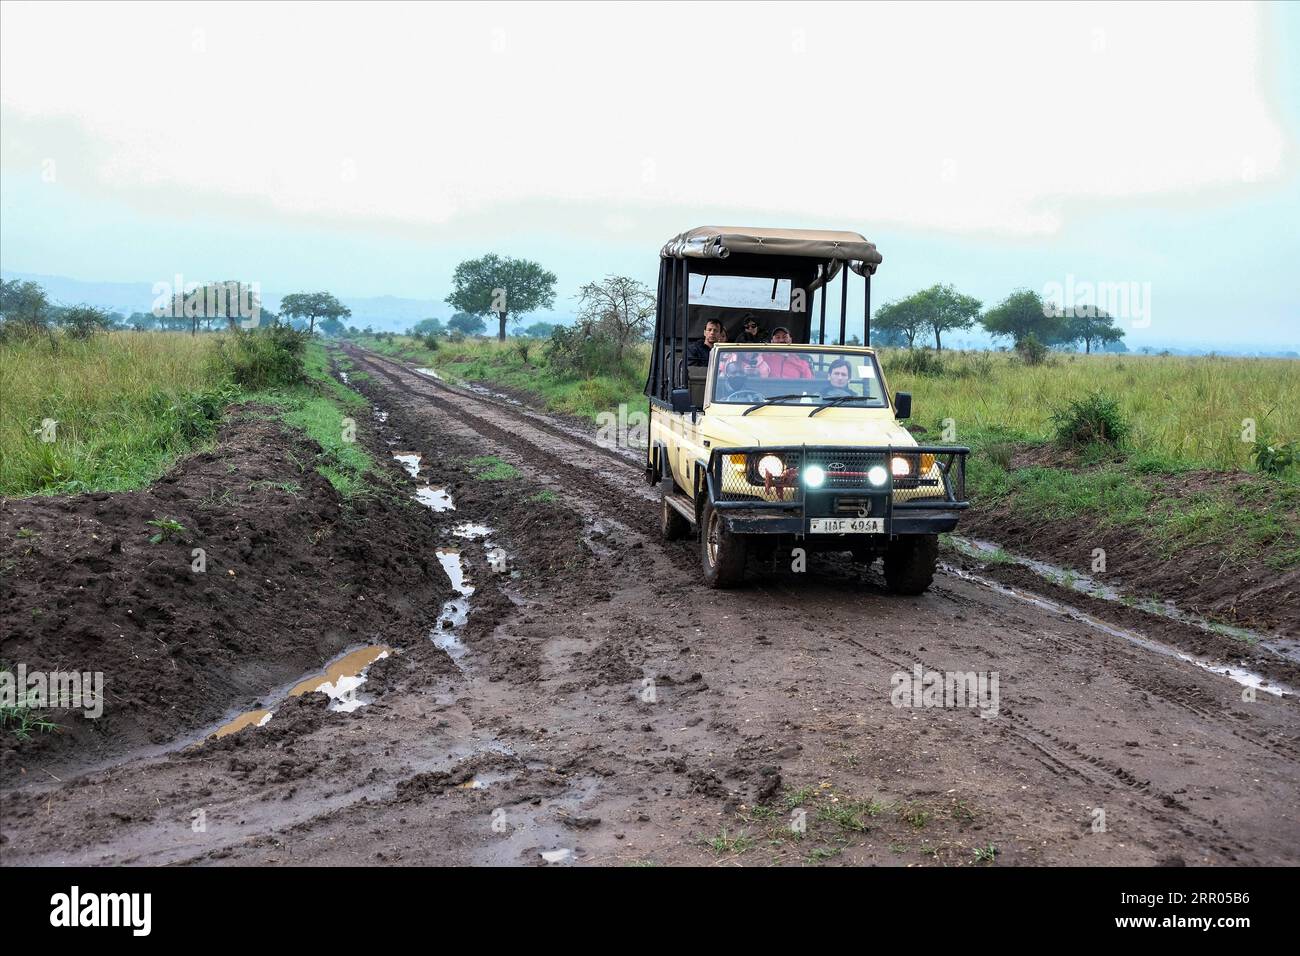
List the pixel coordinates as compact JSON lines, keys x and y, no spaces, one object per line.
{"x":412,"y":119}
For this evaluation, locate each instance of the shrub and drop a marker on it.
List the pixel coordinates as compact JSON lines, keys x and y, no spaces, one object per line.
{"x":1093,"y":420}
{"x":1031,"y":351}
{"x":580,"y":350}
{"x":918,"y":362}
{"x":263,"y":358}
{"x":430,"y":341}
{"x":83,"y":321}
{"x":1275,"y":458}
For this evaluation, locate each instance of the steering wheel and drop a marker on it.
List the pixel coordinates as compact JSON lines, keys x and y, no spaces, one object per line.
{"x":747,"y":395}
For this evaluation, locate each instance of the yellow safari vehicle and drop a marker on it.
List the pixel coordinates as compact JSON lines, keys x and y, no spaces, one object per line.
{"x":764,"y":435}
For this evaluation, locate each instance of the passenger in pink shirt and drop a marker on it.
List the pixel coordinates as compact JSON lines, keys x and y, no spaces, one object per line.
{"x":785,"y":364}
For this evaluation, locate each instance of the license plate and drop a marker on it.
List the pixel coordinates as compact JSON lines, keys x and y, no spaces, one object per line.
{"x":846,"y":525}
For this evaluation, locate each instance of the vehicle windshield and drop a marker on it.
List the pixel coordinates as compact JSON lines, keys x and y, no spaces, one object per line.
{"x":797,"y":376}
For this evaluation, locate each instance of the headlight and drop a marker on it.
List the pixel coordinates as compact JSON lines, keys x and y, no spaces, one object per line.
{"x":877,"y":475}
{"x":814,"y":475}
{"x":770,"y":466}
{"x":901,"y":467}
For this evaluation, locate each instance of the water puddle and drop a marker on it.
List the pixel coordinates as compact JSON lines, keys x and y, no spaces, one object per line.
{"x":344,"y":376}
{"x":1240,"y":675}
{"x":1285,"y":647}
{"x":489,"y":393}
{"x":456,"y":611}
{"x":381,"y":416}
{"x":470,"y":530}
{"x":340,"y":681}
{"x":437,"y":499}
{"x":410,"y":460}
{"x":429,"y":372}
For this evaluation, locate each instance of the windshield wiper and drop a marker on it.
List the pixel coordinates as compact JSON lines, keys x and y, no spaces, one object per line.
{"x":839,"y":401}
{"x":771,"y":401}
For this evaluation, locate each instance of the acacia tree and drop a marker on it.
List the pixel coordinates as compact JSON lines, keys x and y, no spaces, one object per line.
{"x":1091,"y":325}
{"x":1022,"y":314}
{"x":83,"y":321}
{"x":619,"y":307}
{"x":508,"y":288}
{"x":944,"y":308}
{"x":312,"y":306}
{"x":224,"y":300}
{"x":903,"y":318}
{"x":24,"y":305}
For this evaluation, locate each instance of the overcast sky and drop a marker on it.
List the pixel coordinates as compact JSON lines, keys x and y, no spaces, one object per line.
{"x":366,"y":149}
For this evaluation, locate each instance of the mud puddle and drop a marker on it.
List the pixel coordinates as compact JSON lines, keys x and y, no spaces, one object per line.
{"x":410,"y":460}
{"x":340,"y":681}
{"x":456,"y":611}
{"x":1287,"y":648}
{"x":437,"y":499}
{"x":1242,"y":676}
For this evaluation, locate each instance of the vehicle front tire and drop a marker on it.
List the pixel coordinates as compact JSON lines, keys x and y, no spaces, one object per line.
{"x":722,"y":553}
{"x":909,"y":563}
{"x":672,"y":525}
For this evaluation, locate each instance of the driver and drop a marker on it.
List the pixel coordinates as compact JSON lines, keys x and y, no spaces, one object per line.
{"x":786,"y":364}
{"x":837,"y":380}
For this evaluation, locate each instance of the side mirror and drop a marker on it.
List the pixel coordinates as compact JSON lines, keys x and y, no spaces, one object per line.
{"x":681,"y":400}
{"x":902,"y":404}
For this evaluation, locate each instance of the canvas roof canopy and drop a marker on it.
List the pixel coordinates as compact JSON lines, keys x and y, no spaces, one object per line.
{"x":719,"y":242}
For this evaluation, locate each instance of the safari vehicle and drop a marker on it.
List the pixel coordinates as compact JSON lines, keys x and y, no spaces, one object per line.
{"x":765,"y":445}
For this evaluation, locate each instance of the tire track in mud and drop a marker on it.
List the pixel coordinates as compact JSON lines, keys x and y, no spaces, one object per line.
{"x":1059,"y":756}
{"x":531,"y":454}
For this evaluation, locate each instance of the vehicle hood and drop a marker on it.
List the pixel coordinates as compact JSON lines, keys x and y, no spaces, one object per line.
{"x":831,"y":427}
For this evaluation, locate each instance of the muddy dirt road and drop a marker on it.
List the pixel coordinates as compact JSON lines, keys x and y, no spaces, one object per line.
{"x":589,"y":702}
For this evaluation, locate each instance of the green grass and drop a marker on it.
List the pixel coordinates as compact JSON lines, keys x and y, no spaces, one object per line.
{"x":851,"y":816}
{"x":728,"y":843}
{"x":1186,"y":411}
{"x":126,"y":404}
{"x":492,"y":468}
{"x":1258,"y":520}
{"x":322,"y":409}
{"x":20,"y":718}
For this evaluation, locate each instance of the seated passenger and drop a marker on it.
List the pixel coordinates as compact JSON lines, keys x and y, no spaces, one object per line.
{"x":746,"y":364}
{"x":837,"y":380}
{"x":786,"y":364}
{"x":698,"y":352}
{"x":750,"y":332}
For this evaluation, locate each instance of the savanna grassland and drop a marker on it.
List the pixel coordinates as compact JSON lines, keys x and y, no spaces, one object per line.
{"x":114,"y":411}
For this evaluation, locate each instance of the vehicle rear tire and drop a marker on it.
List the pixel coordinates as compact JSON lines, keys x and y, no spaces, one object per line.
{"x":722,"y":553}
{"x":673,"y":526}
{"x":909,"y":563}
